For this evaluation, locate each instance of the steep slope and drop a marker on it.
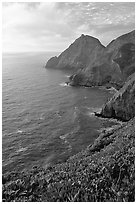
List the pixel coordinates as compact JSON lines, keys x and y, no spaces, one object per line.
{"x":122,"y":104}
{"x":104,"y":172}
{"x":112,"y":67}
{"x":78,"y":55}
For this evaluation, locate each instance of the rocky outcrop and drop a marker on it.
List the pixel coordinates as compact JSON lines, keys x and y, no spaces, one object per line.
{"x":52,"y":62}
{"x":96,"y":65}
{"x":122,"y":104}
{"x":78,"y":55}
{"x":110,"y":68}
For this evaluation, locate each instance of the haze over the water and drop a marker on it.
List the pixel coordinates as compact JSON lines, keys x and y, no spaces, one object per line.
{"x":54,"y":26}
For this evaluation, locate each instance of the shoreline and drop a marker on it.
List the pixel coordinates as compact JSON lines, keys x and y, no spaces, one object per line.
{"x":109,"y":88}
{"x":108,"y":124}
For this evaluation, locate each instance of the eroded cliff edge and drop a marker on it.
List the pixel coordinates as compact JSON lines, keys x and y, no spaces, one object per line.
{"x":122,"y":104}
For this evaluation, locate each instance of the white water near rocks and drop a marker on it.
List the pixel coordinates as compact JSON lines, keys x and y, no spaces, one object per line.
{"x":43,"y":120}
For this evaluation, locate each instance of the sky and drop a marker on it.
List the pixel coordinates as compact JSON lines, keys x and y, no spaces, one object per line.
{"x":54,"y":26}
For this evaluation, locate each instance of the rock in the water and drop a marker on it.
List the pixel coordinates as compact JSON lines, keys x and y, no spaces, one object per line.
{"x":122,"y":104}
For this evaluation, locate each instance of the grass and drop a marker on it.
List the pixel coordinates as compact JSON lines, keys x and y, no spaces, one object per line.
{"x":103,"y":172}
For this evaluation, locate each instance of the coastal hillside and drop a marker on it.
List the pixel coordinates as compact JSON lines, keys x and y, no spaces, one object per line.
{"x":96,"y":65}
{"x":105,"y":171}
{"x":78,"y":55}
{"x":68,"y":102}
{"x":113,"y":67}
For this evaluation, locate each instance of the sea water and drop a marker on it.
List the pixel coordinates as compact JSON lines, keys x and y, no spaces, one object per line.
{"x":43,"y":120}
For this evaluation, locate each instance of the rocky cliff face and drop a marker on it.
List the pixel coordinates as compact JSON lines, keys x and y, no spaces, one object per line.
{"x":122,"y":104}
{"x":112,"y":66}
{"x":78,"y":55}
{"x":96,"y":65}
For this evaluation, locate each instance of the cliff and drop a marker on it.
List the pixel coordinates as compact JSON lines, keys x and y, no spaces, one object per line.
{"x":112,"y":67}
{"x":78,"y":55}
{"x":122,"y":104}
{"x":105,"y":171}
{"x":96,"y":65}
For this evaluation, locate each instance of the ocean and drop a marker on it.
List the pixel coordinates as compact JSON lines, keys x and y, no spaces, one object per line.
{"x":44,"y":122}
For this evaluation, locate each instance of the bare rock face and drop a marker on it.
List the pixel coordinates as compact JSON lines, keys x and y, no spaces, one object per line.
{"x":78,"y":55}
{"x":96,"y":65}
{"x":112,"y":66}
{"x":122,"y":104}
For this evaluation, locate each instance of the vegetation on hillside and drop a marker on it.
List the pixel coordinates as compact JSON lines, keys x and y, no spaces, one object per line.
{"x":103,"y":172}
